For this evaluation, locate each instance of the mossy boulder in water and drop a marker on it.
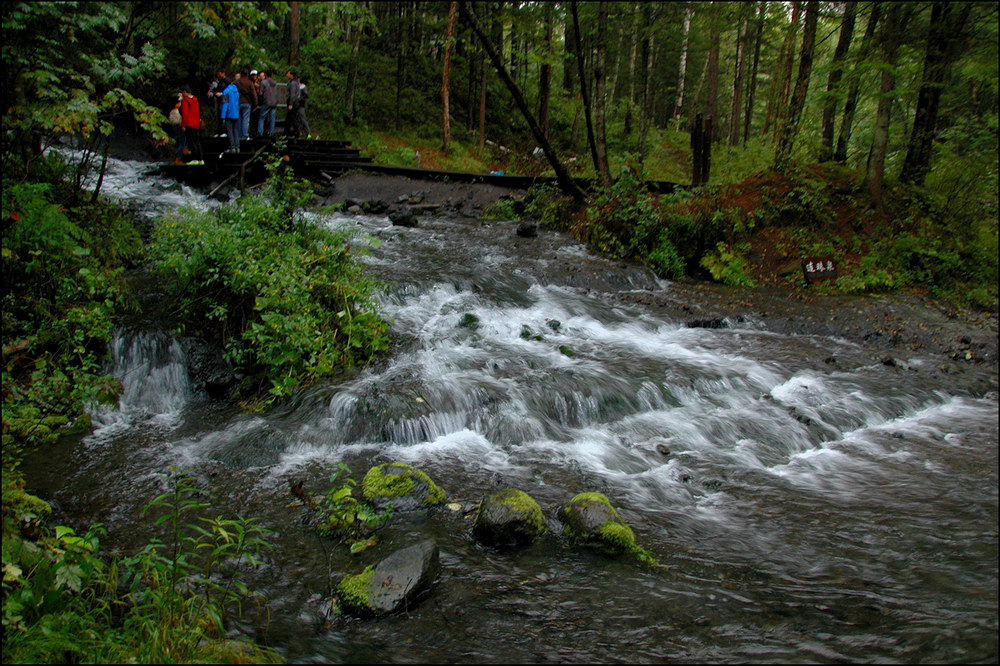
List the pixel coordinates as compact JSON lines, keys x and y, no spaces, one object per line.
{"x":510,"y":517}
{"x":589,"y":518}
{"x":393,"y":584}
{"x":405,"y":486}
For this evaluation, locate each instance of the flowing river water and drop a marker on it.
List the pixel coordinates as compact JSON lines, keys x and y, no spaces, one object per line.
{"x":808,"y":502}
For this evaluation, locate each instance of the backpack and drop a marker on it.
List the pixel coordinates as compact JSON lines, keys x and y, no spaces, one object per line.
{"x":303,"y":94}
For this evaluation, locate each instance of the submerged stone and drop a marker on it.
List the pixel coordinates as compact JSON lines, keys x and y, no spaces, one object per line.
{"x":589,"y":518}
{"x":510,"y":517}
{"x":405,"y":486}
{"x":392,"y":585}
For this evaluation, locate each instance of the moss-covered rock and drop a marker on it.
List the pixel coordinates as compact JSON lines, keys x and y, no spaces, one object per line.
{"x":393,"y":584}
{"x":405,"y":486}
{"x":589,"y":518}
{"x":510,"y":517}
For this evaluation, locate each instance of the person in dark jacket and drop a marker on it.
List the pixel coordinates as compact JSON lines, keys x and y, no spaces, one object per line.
{"x":231,"y":114}
{"x":268,"y":105}
{"x":296,"y":123}
{"x":215,"y":96}
{"x":248,"y":100}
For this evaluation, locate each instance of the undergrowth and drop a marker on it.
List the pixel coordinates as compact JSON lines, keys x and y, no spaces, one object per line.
{"x":286,"y":298}
{"x":67,"y":602}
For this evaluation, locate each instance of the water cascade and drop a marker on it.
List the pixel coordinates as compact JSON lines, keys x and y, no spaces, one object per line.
{"x":805,"y":510}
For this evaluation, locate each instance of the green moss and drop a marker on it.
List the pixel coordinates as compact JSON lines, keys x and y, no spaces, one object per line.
{"x":353,"y":590}
{"x":525,"y":505}
{"x":617,"y":535}
{"x":595,"y":497}
{"x":378,"y":483}
{"x":614,"y":534}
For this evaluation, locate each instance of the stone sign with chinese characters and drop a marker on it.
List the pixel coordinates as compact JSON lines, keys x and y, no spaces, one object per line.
{"x":817,"y":269}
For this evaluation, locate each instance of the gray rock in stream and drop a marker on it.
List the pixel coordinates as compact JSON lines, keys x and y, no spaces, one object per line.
{"x":394,"y":584}
{"x":402,"y":217}
{"x":508,"y":518}
{"x":207,"y":369}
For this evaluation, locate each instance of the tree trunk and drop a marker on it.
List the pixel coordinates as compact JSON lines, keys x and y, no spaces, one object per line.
{"x":545,"y":73}
{"x":600,"y":95}
{"x":566,"y":182}
{"x":352,"y":74}
{"x":895,"y":23}
{"x":791,"y":126}
{"x":736,"y":101}
{"x":830,"y":107}
{"x":293,"y":20}
{"x":682,"y":70}
{"x":783,"y":80}
{"x":633,"y":56}
{"x":945,"y":32}
{"x":587,"y":111}
{"x":713,"y":70}
{"x":851,"y":103}
{"x":482,"y":103}
{"x":445,"y":79}
{"x":569,"y":67}
{"x":646,"y":107}
{"x":752,"y":79}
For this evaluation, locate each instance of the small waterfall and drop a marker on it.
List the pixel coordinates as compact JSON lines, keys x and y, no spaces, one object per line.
{"x":155,"y":387}
{"x":807,"y":509}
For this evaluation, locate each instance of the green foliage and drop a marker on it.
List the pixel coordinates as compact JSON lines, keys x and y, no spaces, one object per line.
{"x":547,"y":204}
{"x":347,"y":517}
{"x":501,"y":209}
{"x":287,"y":299}
{"x":63,"y":602}
{"x":62,"y":269}
{"x":729,"y":266}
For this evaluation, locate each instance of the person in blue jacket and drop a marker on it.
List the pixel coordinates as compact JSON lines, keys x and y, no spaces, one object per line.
{"x":231,"y":114}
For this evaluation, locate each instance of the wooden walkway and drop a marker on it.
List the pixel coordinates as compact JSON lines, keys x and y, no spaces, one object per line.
{"x":324,"y":160}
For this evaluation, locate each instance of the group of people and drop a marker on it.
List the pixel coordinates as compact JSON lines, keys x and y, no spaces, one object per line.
{"x":246,"y":106}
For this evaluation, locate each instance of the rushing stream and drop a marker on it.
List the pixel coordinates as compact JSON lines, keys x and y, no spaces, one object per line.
{"x":805,"y":510}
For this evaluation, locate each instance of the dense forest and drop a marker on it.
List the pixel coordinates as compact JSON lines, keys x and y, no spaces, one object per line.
{"x":863,"y":132}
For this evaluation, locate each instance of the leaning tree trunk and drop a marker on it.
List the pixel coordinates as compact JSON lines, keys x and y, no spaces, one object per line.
{"x":851,"y":103}
{"x":566,"y":182}
{"x":791,"y":127}
{"x":837,"y":71}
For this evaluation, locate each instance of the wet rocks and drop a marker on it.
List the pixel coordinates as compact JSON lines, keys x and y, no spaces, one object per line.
{"x":403,"y":217}
{"x":527,"y":229}
{"x":402,"y":485}
{"x":508,"y":518}
{"x":392,"y":585}
{"x":207,"y":368}
{"x":590,"y":519}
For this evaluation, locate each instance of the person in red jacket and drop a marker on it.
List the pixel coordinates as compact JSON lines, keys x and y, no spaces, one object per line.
{"x":191,"y":124}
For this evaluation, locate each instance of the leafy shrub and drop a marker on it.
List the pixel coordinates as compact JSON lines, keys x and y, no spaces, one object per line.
{"x":63,"y":602}
{"x":728,"y":266}
{"x":347,"y":517}
{"x":58,"y":305}
{"x":286,"y":298}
